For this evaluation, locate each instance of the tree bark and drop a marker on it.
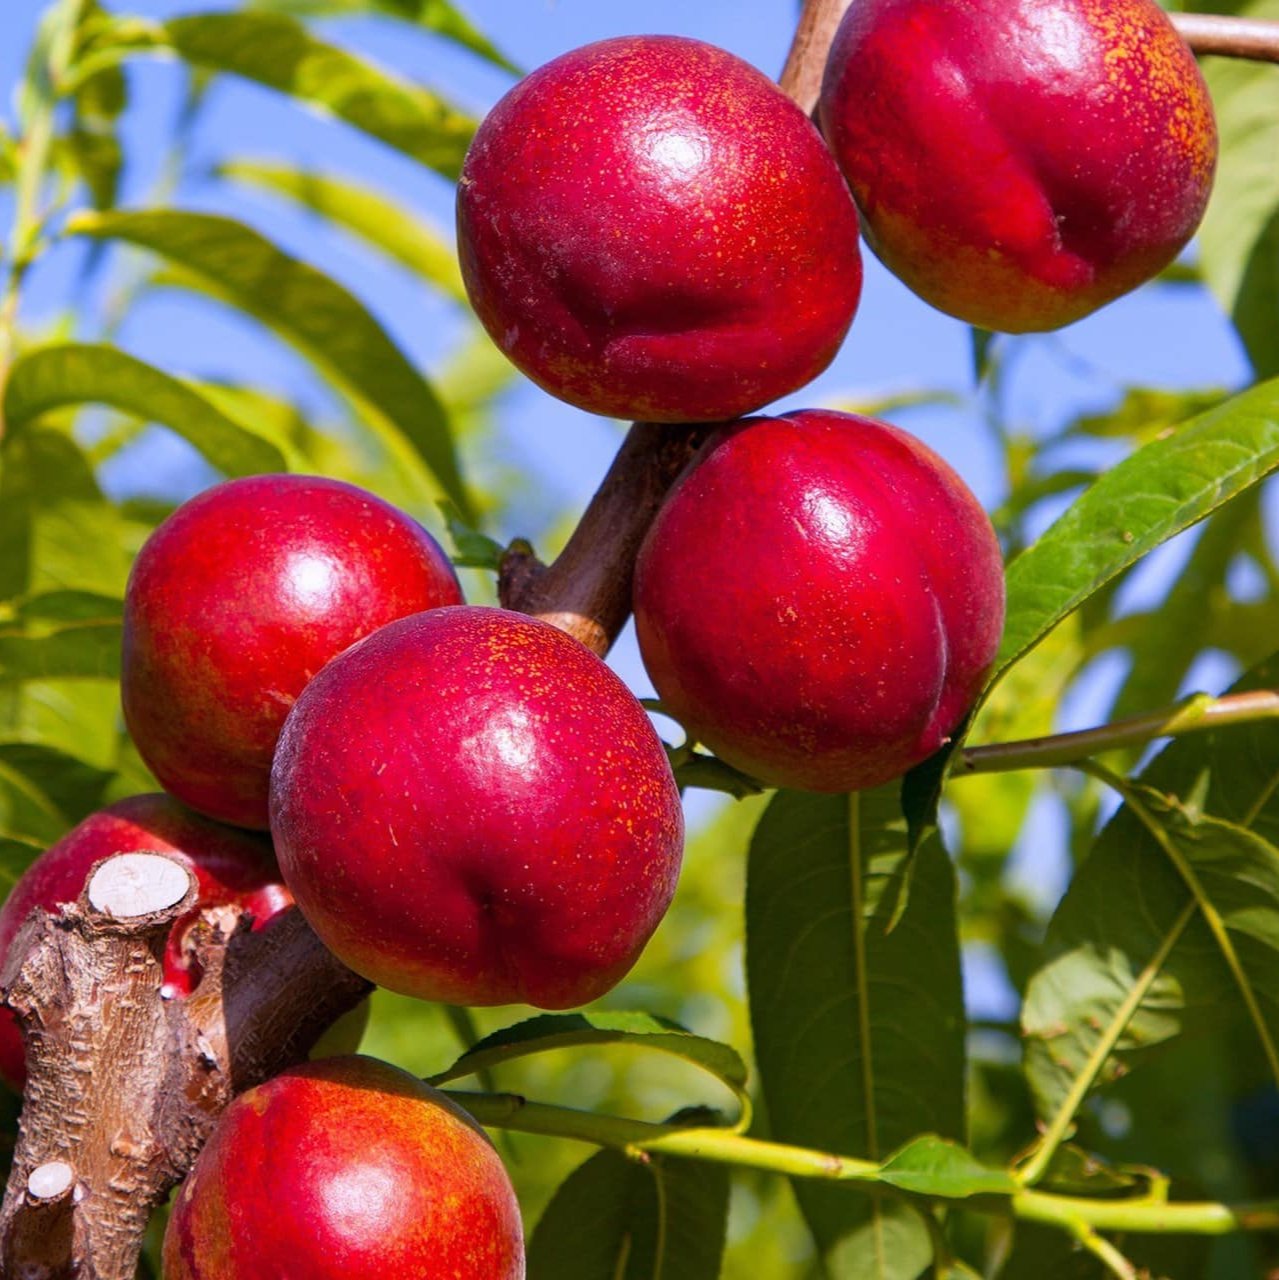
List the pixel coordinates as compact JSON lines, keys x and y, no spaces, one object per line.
{"x":124,"y":1085}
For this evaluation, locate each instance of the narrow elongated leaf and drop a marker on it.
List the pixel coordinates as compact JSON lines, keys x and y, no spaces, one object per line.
{"x":1239,"y":238}
{"x":564,"y":1030}
{"x":76,"y":373}
{"x":858,"y":1025}
{"x":16,"y":855}
{"x":279,"y":53}
{"x":71,"y":786}
{"x":57,"y":531}
{"x":89,"y":651}
{"x":403,"y":234}
{"x":1171,"y":638}
{"x":70,"y":606}
{"x":1131,"y":958}
{"x":614,"y":1219}
{"x":309,"y":310}
{"x":1133,"y":508}
{"x":439,"y":16}
{"x":932,"y":1166}
{"x":1145,"y":413}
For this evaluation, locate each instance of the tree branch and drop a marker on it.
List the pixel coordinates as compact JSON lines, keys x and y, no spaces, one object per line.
{"x":124,"y":1086}
{"x":1229,"y":37}
{"x":1196,"y":715}
{"x":805,"y":64}
{"x":587,"y":591}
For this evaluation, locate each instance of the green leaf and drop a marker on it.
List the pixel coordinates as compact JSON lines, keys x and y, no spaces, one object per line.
{"x":1171,"y":637}
{"x":89,"y":652}
{"x":281,"y":54}
{"x":72,"y":787}
{"x":1077,"y":1172}
{"x":403,"y":234}
{"x":1133,"y":508}
{"x":992,"y":807}
{"x":1143,"y":413}
{"x":78,"y":373}
{"x":471,"y":549}
{"x":933,"y":1166}
{"x":57,"y":531}
{"x":615,"y":1219}
{"x":1131,"y":959}
{"x":16,"y":855}
{"x":70,"y":606}
{"x":8,"y":156}
{"x":98,"y":103}
{"x":306,"y":308}
{"x":979,"y":342}
{"x":439,"y":16}
{"x":1239,"y":238}
{"x":1048,"y":1253}
{"x":551,"y":1031}
{"x":858,"y":1021}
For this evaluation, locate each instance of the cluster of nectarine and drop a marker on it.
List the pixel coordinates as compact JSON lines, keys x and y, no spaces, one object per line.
{"x":466,"y":804}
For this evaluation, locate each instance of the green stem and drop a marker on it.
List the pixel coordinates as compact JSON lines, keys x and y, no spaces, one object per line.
{"x":34,"y":149}
{"x":1196,"y":715}
{"x":1102,"y":1249}
{"x":638,"y":1138}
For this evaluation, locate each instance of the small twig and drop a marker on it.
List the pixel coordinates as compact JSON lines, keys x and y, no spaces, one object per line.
{"x":1229,"y":37}
{"x":105,"y":952}
{"x":1197,"y":715}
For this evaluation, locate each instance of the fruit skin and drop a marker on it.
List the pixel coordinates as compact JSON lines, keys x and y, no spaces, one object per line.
{"x":231,"y":868}
{"x":819,"y":600}
{"x":236,"y":601}
{"x":347,"y":1168}
{"x":470,"y":807}
{"x":650,"y":229}
{"x":1019,"y":163}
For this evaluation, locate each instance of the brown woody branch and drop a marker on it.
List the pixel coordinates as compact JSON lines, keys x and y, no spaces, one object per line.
{"x":123,"y":1085}
{"x":587,"y":590}
{"x":1229,"y":37}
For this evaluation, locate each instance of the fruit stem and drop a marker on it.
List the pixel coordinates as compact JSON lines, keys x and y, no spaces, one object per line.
{"x":1196,"y":715}
{"x":587,"y":590}
{"x":639,"y":1138}
{"x":1229,"y":37}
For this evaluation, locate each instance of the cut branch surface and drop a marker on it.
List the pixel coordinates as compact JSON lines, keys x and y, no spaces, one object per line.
{"x":136,"y":884}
